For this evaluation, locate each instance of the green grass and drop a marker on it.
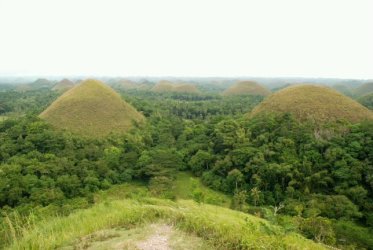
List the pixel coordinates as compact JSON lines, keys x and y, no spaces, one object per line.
{"x":123,"y":213}
{"x":225,"y":228}
{"x":131,"y":190}
{"x":247,"y":88}
{"x":313,"y":103}
{"x":183,"y":188}
{"x":3,"y":118}
{"x":91,"y":109}
{"x":186,"y":184}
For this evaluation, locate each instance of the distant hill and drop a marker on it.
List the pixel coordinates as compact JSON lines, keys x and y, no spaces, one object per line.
{"x":364,"y":89}
{"x":343,"y":88}
{"x":367,"y":100}
{"x":313,"y":103}
{"x":37,"y":84}
{"x":185,"y":88}
{"x":128,"y":84}
{"x":163,"y":86}
{"x":247,"y":88}
{"x":63,"y":85}
{"x":167,"y":86}
{"x":91,"y":109}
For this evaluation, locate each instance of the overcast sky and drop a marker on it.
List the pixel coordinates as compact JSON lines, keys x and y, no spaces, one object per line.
{"x":312,"y":38}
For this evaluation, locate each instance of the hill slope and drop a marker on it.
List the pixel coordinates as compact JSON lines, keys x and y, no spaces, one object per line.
{"x":314,"y":103}
{"x":91,"y":109}
{"x":247,"y":88}
{"x":367,"y":100}
{"x":364,"y":89}
{"x":63,"y":85}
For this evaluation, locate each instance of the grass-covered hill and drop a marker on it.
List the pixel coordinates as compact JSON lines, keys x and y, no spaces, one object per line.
{"x":163,"y":86}
{"x":91,"y":109}
{"x":37,"y":84}
{"x":167,"y":86}
{"x":247,"y":88}
{"x":315,"y":104}
{"x":63,"y":85}
{"x":185,"y":88}
{"x":126,"y":84}
{"x":364,"y":89}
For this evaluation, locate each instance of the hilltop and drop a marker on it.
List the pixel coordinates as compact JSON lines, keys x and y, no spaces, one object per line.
{"x":91,"y":109}
{"x":63,"y":85}
{"x":247,"y":88}
{"x":167,"y":86}
{"x":313,"y":103}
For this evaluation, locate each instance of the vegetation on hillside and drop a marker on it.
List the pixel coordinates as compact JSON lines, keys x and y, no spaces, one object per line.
{"x":364,"y":89}
{"x":14,"y":103}
{"x":367,"y":101}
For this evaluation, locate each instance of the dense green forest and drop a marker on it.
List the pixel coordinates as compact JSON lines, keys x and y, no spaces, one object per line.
{"x":315,"y":181}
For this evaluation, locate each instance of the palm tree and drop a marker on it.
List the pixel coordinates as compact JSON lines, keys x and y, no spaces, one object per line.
{"x":255,"y":194}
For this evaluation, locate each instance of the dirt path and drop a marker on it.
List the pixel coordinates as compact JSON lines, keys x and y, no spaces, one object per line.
{"x":157,"y":236}
{"x":157,"y":241}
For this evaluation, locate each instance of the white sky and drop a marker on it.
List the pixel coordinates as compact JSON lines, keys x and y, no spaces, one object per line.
{"x":313,"y":38}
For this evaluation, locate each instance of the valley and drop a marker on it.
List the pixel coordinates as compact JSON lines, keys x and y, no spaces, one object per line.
{"x":121,"y":165}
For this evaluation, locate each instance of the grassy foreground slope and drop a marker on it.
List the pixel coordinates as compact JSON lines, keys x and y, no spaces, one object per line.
{"x":91,"y":109}
{"x":313,"y":103}
{"x":222,"y":227}
{"x":247,"y":88}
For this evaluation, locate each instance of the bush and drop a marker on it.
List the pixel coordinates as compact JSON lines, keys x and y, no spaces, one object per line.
{"x":348,"y":233}
{"x":161,"y":186}
{"x":317,"y":228}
